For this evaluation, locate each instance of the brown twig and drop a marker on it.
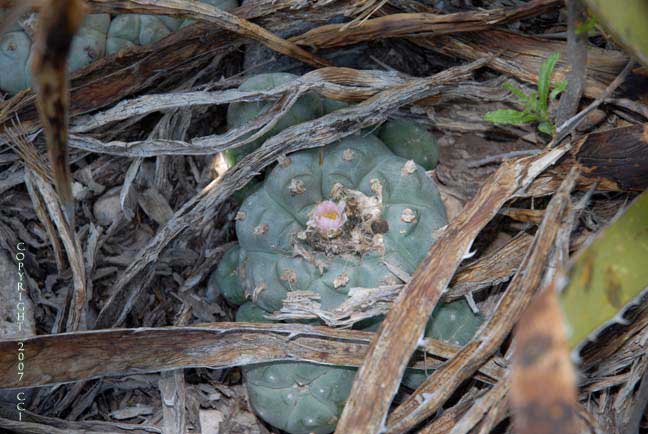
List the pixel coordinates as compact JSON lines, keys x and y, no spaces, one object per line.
{"x":42,"y":192}
{"x":577,"y":57}
{"x":543,"y":381}
{"x":443,"y":382}
{"x":522,"y":56}
{"x":571,"y":123}
{"x":418,"y":24}
{"x":59,"y":23}
{"x":33,"y":423}
{"x":484,"y":405}
{"x":210,"y":14}
{"x":67,"y":357}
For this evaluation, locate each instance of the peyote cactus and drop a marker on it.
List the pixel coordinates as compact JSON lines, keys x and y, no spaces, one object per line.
{"x":299,"y":398}
{"x":16,"y":50}
{"x":225,"y":280}
{"x":408,"y":139}
{"x":304,"y":398}
{"x":15,"y":60}
{"x":327,"y":220}
{"x":306,"y":108}
{"x":282,"y":245}
{"x":97,"y":37}
{"x":128,"y":30}
{"x":250,"y":312}
{"x":90,"y":42}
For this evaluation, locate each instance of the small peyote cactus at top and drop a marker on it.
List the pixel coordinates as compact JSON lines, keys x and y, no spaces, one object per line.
{"x":15,"y":61}
{"x":327,"y":220}
{"x":90,"y":42}
{"x":97,"y":37}
{"x":404,"y":137}
{"x":16,"y":51}
{"x":129,"y":30}
{"x":306,"y":108}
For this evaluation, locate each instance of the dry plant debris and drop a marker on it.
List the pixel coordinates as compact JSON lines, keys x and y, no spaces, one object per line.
{"x":134,"y":208}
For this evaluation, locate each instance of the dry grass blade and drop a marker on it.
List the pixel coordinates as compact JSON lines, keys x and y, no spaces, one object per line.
{"x":207,"y":13}
{"x":77,"y":299}
{"x":418,"y":24}
{"x":443,"y":382}
{"x":543,"y":381}
{"x":44,"y":198}
{"x":379,"y":378}
{"x":521,"y":56}
{"x":37,"y":424}
{"x":58,"y":23}
{"x":448,"y":419}
{"x":491,"y":269}
{"x":233,"y":138}
{"x":27,"y":152}
{"x":67,"y":357}
{"x":344,"y":84}
{"x":571,"y":123}
{"x":485,"y":405}
{"x":363,"y":10}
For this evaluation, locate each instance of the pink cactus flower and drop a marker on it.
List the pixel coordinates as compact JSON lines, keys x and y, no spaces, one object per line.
{"x":328,"y":217}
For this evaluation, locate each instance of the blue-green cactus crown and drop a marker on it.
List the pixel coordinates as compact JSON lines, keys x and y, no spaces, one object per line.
{"x":393,"y":211}
{"x":382,"y":213}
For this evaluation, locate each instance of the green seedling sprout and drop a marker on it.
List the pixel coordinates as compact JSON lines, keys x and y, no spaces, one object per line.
{"x":536,"y":103}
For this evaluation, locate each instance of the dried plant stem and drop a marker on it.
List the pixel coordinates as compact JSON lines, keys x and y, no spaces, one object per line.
{"x":44,"y":192}
{"x":577,"y":57}
{"x":205,"y":12}
{"x":417,"y":24}
{"x":443,"y":382}
{"x":378,"y":379}
{"x":68,"y":357}
{"x":59,"y":23}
